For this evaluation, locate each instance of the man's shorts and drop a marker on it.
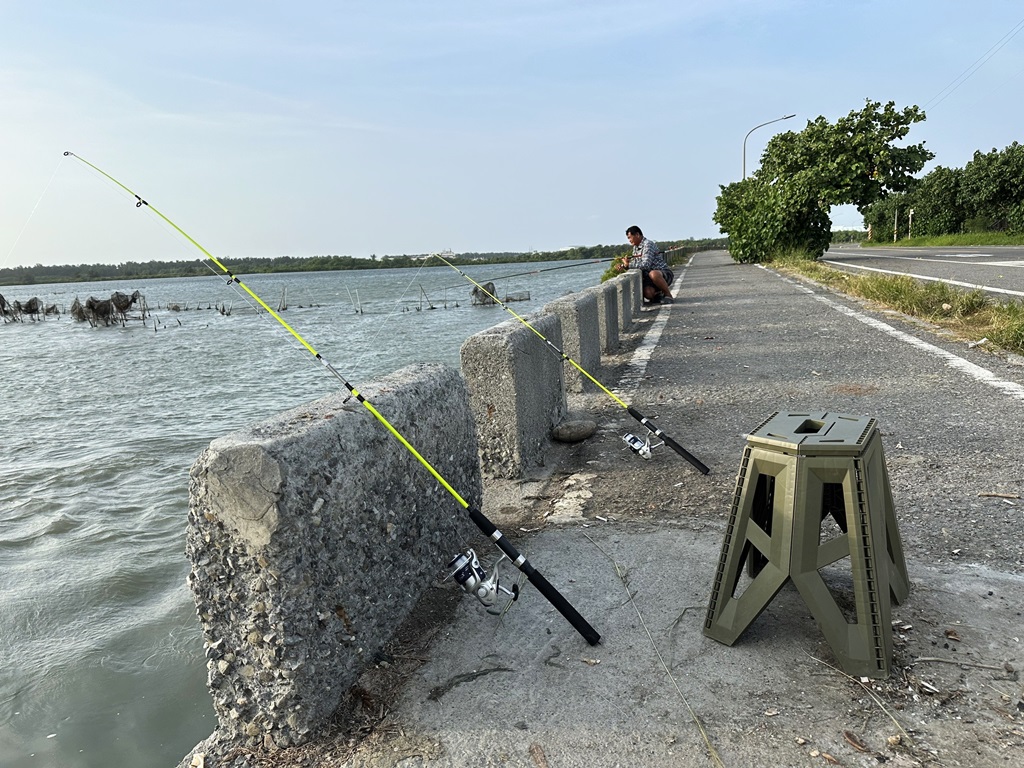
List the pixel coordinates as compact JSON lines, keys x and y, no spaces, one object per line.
{"x":666,"y":273}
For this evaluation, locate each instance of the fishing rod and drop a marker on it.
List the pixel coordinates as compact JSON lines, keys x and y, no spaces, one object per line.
{"x":466,"y":569}
{"x":640,"y":447}
{"x":548,"y":269}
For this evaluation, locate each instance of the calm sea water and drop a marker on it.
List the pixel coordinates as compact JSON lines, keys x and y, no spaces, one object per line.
{"x":101,"y":660}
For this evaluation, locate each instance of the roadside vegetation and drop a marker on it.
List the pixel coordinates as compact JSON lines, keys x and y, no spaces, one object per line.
{"x":970,"y":315}
{"x":952,"y":241}
{"x":985,"y":198}
{"x":784,"y":205}
{"x":862,"y":160}
{"x":780,"y":214}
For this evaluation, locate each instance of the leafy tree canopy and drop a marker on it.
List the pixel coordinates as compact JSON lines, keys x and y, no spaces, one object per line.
{"x":784,"y":206}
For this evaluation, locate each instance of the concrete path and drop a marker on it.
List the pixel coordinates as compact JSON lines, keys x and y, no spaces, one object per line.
{"x":633,"y":545}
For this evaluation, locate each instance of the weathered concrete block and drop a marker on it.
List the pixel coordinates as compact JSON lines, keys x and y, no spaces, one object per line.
{"x":637,"y":280}
{"x":625,"y":287}
{"x":577,"y":314}
{"x":516,"y":392}
{"x":607,"y":316}
{"x":309,"y":536}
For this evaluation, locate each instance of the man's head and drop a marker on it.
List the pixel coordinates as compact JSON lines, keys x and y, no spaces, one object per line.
{"x":634,"y":235}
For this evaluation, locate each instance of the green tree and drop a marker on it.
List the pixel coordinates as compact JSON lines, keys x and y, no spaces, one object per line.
{"x":937,"y":205}
{"x":992,"y":189}
{"x":784,"y":206}
{"x":885,"y":215}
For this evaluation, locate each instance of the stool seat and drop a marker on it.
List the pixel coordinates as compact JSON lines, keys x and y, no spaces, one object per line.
{"x":798,"y":470}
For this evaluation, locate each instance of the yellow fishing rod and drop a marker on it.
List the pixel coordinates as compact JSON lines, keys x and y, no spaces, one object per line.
{"x":466,"y":569}
{"x":636,"y":445}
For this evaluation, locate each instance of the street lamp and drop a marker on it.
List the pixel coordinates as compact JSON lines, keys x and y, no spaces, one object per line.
{"x":762,"y":125}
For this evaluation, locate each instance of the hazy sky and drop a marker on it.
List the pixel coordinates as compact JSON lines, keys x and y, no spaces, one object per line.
{"x":304,"y":128}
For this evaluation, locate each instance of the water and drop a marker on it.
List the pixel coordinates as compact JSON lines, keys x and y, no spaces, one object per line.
{"x":102,"y":661}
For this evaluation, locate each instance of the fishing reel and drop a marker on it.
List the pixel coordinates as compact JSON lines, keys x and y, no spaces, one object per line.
{"x":465,"y":568}
{"x":641,"y":448}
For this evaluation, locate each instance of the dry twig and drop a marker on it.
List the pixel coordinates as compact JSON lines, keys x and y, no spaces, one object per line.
{"x":957,"y":661}
{"x":872,"y":694}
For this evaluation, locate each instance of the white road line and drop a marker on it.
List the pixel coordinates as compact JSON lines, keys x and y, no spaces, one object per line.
{"x":988,"y":288}
{"x":637,"y":365}
{"x":956,"y":362}
{"x":636,"y":368}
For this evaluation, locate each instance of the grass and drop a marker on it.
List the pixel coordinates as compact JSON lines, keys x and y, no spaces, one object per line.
{"x":970,"y":315}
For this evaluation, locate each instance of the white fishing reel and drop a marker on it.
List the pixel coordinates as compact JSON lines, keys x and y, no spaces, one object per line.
{"x":465,"y":568}
{"x":641,"y":448}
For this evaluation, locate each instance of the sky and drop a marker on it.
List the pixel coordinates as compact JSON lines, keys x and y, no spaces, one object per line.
{"x":307,"y":128}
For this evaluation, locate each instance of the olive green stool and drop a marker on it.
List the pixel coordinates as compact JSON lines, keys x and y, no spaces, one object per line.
{"x":798,"y":469}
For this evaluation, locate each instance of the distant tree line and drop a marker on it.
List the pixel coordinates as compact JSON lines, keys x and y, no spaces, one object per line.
{"x":134,"y":270}
{"x":849,"y":235}
{"x":986,"y":195}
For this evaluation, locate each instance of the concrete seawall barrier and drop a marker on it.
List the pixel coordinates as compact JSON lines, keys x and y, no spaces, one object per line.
{"x":310,"y":532}
{"x":607,"y":297}
{"x":626,"y":285}
{"x":308,"y":536}
{"x":516,"y":392}
{"x":581,"y":341}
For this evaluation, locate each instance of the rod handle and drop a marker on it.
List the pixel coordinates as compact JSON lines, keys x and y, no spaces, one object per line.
{"x":536,"y":578}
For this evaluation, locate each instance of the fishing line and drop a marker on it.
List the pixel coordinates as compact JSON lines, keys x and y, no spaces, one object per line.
{"x":387,"y":318}
{"x":475,"y":577}
{"x":640,"y":447}
{"x":33,"y":211}
{"x":623,"y":575}
{"x":172,"y":232}
{"x":538,"y":271}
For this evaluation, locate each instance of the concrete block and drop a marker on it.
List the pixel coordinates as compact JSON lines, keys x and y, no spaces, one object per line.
{"x":581,"y":341}
{"x":516,"y":393}
{"x":624,"y":288}
{"x":637,"y":279}
{"x":607,"y":316}
{"x":310,"y":535}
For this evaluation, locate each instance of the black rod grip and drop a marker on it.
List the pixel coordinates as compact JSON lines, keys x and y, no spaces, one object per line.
{"x":697,"y":463}
{"x":564,"y":607}
{"x":545,"y":587}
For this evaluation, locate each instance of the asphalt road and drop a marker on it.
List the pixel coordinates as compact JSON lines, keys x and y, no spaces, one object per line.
{"x":998,"y":270}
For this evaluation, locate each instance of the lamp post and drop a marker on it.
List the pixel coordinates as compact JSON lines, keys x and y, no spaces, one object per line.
{"x":762,"y":125}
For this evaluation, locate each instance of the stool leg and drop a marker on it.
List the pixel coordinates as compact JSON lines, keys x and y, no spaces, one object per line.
{"x":880,"y":488}
{"x":863,"y":647}
{"x":747,"y":540}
